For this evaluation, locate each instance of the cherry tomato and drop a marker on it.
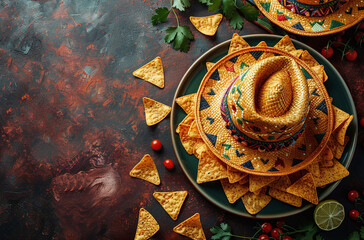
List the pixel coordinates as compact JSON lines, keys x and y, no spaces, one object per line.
{"x":266,"y":227}
{"x":351,"y":55}
{"x":354,"y":214}
{"x":362,"y":121}
{"x":287,"y":238}
{"x":338,"y":42}
{"x":156,"y":145}
{"x":168,"y":163}
{"x":280,"y":223}
{"x":327,"y":52}
{"x":276,"y":233}
{"x":352,"y":195}
{"x":263,"y":237}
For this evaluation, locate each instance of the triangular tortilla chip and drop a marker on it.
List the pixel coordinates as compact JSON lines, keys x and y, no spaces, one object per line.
{"x":341,"y":131}
{"x":191,"y":228}
{"x":308,"y":59}
{"x":320,"y":71}
{"x":209,"y":65}
{"x":155,"y":111}
{"x":187,"y":102}
{"x":207,"y":25}
{"x":186,"y":121}
{"x":152,"y":72}
{"x":233,"y":191}
{"x":282,"y":183}
{"x":285,"y":44}
{"x":210,"y":168}
{"x":244,"y":180}
{"x":199,"y":147}
{"x":285,"y":197}
{"x":331,"y":174}
{"x":147,"y":225}
{"x":257,"y":182}
{"x":193,"y":131}
{"x":340,"y":148}
{"x":146,"y":170}
{"x":339,"y":117}
{"x":234,"y":175}
{"x":297,"y":53}
{"x":255,"y":203}
{"x":187,"y":142}
{"x":237,"y":43}
{"x":171,"y":201}
{"x":304,"y":188}
{"x":314,"y":169}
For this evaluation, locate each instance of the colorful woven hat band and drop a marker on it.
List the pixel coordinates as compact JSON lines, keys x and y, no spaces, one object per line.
{"x":312,"y":8}
{"x":267,"y":106}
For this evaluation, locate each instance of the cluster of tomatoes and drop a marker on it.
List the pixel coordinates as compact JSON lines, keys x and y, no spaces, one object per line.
{"x":156,"y":146}
{"x":275,"y":233}
{"x":354,"y":197}
{"x":344,"y":46}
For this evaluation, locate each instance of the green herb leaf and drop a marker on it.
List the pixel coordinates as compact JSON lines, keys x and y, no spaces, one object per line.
{"x":319,"y":237}
{"x":181,"y":4}
{"x":250,"y":12}
{"x":362,"y":232}
{"x":180,"y":37}
{"x":232,"y":14}
{"x":354,"y":236}
{"x":213,"y":5}
{"x":160,"y":16}
{"x":311,"y":230}
{"x":222,"y":232}
{"x":225,"y":227}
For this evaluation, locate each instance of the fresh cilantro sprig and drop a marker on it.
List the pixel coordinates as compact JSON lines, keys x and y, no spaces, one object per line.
{"x":179,"y":37}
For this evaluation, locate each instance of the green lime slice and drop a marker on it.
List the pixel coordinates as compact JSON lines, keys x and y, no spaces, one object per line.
{"x":329,"y":215}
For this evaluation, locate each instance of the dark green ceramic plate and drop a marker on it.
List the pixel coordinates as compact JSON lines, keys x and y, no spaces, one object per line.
{"x":190,"y":82}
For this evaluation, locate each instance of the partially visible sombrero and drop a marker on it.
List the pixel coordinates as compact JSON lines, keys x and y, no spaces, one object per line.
{"x":263,"y":111}
{"x":313,"y":17}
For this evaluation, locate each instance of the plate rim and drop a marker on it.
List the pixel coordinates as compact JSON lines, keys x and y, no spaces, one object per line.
{"x":224,"y":45}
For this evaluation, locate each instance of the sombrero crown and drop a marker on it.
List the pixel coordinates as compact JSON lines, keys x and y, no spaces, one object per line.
{"x":266,"y":108}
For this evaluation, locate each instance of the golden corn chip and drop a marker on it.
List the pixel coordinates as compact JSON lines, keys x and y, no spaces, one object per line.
{"x":210,"y":168}
{"x":191,"y":228}
{"x":155,"y":111}
{"x":237,"y":43}
{"x":189,"y":144}
{"x":261,"y":190}
{"x":186,"y":121}
{"x":193,"y":131}
{"x":200,"y":148}
{"x":331,"y":174}
{"x":314,"y":169}
{"x":147,"y":225}
{"x":207,"y":25}
{"x":320,"y":71}
{"x":233,"y":191}
{"x":256,"y":182}
{"x":209,"y":65}
{"x":152,"y":72}
{"x":340,"y":117}
{"x":295,"y":176}
{"x":146,"y":170}
{"x":341,"y":131}
{"x":297,"y":53}
{"x":304,"y":188}
{"x":244,"y":180}
{"x":285,"y":44}
{"x":326,"y":163}
{"x":235,"y":176}
{"x":308,"y":59}
{"x":255,"y":203}
{"x":285,"y":197}
{"x":340,"y":148}
{"x":282,"y":183}
{"x":171,"y":201}
{"x":327,"y":154}
{"x":187,"y":102}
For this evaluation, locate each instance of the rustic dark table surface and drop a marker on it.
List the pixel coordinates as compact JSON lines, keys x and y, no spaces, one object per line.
{"x":72,"y":111}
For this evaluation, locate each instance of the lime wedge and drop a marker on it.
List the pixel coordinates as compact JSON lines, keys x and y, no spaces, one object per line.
{"x":329,"y":215}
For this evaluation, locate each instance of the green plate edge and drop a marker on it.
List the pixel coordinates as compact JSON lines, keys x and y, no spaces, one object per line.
{"x":212,"y":191}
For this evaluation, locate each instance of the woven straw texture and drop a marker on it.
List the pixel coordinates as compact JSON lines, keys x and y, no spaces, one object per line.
{"x":217,"y":137}
{"x":348,"y":15}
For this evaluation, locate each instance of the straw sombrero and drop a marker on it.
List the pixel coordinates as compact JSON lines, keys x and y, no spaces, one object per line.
{"x":263,"y":111}
{"x":313,"y":17}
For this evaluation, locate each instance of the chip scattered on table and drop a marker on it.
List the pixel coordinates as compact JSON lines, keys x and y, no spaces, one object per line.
{"x":147,"y":225}
{"x":207,"y":25}
{"x":152,"y":72}
{"x":155,"y":111}
{"x":171,"y":202}
{"x":146,"y":170}
{"x":191,"y":228}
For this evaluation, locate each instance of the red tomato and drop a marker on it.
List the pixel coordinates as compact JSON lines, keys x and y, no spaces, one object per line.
{"x":353,"y":195}
{"x":354,"y":214}
{"x":351,"y":55}
{"x":263,"y":237}
{"x":327,"y":52}
{"x":156,"y":145}
{"x":266,"y":227}
{"x":362,"y":121}
{"x":276,"y":233}
{"x":287,"y":238}
{"x":168,"y":163}
{"x":338,"y":42}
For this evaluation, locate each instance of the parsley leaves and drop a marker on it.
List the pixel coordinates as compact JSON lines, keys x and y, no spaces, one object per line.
{"x":179,"y":37}
{"x":160,"y":16}
{"x":181,"y":4}
{"x":222,"y":232}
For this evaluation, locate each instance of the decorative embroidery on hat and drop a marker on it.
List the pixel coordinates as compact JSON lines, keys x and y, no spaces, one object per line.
{"x":273,"y":169}
{"x":248,"y":164}
{"x":212,"y":138}
{"x":204,"y":104}
{"x":211,"y":120}
{"x":315,"y":92}
{"x":226,"y":156}
{"x":215,"y":75}
{"x":264,"y":161}
{"x":227,"y":146}
{"x":298,"y":26}
{"x":319,"y":137}
{"x":266,"y":6}
{"x":239,"y":154}
{"x":322,"y":107}
{"x":256,"y":54}
{"x":211,"y":92}
{"x":335,"y":24}
{"x":296,"y":161}
{"x":234,"y":59}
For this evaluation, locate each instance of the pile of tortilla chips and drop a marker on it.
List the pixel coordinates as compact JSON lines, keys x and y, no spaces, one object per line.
{"x":257,"y":191}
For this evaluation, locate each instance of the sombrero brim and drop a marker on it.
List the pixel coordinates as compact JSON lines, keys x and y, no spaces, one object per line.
{"x":348,"y":15}
{"x":212,"y":129}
